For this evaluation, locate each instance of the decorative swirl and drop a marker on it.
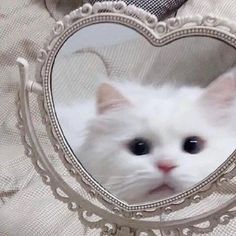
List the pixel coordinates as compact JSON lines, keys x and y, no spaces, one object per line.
{"x":96,"y":7}
{"x":72,"y":171}
{"x":197,"y":198}
{"x":92,"y":193}
{"x":138,"y":215}
{"x":225,"y":219}
{"x":150,"y":21}
{"x":168,"y":210}
{"x":58,"y":28}
{"x":174,"y":23}
{"x":72,"y":206}
{"x":67,"y":20}
{"x":119,"y":7}
{"x":57,"y":147}
{"x":161,"y":28}
{"x":45,"y":120}
{"x":29,"y":152}
{"x":221,"y":181}
{"x":46,"y":179}
{"x":42,"y":55}
{"x":210,"y":21}
{"x":86,"y":10}
{"x":109,"y":229}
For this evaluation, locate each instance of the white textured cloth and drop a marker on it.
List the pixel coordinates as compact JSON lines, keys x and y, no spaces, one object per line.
{"x":27,"y":206}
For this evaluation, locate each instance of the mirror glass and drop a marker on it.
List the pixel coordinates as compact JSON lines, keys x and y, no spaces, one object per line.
{"x":146,"y":122}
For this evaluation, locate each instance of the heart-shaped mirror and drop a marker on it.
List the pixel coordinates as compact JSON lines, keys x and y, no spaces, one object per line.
{"x":147,"y":122}
{"x":141,"y":112}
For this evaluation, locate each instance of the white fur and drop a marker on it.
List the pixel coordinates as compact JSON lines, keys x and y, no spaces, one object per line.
{"x":165,"y":116}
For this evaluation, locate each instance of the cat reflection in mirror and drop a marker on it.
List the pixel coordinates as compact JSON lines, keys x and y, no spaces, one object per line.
{"x":144,"y":143}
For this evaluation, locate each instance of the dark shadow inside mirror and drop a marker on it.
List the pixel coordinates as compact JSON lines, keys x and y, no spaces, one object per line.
{"x":146,"y":122}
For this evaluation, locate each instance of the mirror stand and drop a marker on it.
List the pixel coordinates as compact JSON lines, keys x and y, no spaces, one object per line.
{"x":27,"y":86}
{"x":33,"y":148}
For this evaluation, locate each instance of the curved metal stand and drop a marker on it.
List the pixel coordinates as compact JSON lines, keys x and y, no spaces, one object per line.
{"x":34,"y":149}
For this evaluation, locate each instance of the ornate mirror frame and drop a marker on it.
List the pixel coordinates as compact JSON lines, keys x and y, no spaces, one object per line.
{"x":117,"y":217}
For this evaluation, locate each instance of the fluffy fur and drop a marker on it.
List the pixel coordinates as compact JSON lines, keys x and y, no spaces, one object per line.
{"x":98,"y":131}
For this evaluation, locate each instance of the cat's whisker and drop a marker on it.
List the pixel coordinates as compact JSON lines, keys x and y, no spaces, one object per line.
{"x":113,"y":177}
{"x":126,"y":183}
{"x":122,"y":179}
{"x":112,"y":182}
{"x":138,"y":173}
{"x":125,"y":188}
{"x":120,"y":182}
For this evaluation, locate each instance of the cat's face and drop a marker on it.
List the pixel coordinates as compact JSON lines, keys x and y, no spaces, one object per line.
{"x":147,"y":150}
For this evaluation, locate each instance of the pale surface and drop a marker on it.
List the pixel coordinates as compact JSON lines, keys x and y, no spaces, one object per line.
{"x":33,"y":210}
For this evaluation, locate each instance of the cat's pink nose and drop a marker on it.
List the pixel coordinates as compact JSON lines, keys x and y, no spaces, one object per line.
{"x":165,"y":166}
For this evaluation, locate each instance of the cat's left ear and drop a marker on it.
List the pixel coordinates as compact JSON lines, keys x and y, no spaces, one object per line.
{"x":221,"y":92}
{"x":109,"y":98}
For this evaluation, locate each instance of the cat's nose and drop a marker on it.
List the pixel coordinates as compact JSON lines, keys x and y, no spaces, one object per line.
{"x":166,"y":166}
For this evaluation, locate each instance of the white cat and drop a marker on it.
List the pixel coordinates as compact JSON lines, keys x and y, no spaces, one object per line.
{"x":144,"y":143}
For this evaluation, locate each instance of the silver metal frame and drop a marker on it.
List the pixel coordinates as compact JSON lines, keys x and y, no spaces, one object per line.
{"x":121,"y":217}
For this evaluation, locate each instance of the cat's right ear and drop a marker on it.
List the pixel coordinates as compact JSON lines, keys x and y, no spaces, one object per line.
{"x":109,"y":98}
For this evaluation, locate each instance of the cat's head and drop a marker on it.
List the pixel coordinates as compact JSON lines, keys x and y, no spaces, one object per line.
{"x":144,"y":148}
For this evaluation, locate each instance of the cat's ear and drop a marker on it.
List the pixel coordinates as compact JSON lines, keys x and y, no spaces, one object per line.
{"x":109,"y":98}
{"x":221,"y":92}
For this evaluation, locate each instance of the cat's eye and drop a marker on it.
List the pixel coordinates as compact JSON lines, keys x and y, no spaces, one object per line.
{"x":193,"y":144}
{"x":139,"y":146}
